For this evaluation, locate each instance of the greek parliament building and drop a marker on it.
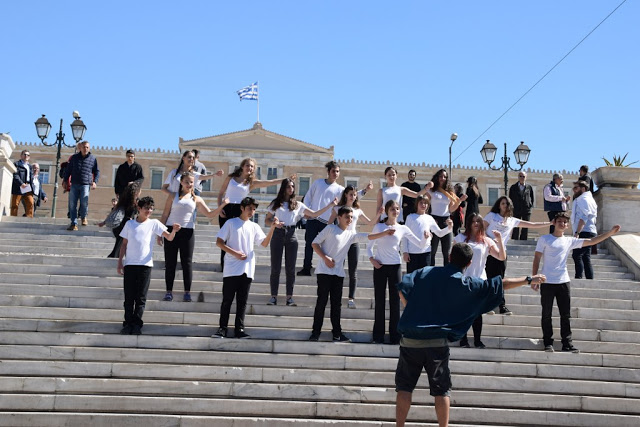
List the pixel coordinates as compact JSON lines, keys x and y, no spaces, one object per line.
{"x":278,"y":156}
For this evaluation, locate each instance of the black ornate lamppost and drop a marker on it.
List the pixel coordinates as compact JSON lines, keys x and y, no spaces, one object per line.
{"x":43,"y":127}
{"x":489,"y":151}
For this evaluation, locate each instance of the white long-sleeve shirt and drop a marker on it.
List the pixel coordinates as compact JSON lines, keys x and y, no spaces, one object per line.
{"x":546,"y":192}
{"x":586,"y":209}
{"x":418,"y":224}
{"x":387,"y":252}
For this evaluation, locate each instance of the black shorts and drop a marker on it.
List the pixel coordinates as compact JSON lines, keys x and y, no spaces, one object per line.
{"x":434,"y":360}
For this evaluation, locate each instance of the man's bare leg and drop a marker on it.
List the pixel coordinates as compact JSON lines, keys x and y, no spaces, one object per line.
{"x":442,"y":410}
{"x":403,"y":404}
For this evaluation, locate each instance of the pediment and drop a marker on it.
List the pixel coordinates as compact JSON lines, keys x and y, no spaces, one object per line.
{"x":254,"y":139}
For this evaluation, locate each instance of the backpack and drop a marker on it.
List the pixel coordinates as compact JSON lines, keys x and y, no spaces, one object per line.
{"x":115,"y":218}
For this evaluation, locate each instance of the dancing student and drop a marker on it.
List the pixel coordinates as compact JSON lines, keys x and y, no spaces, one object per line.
{"x":443,"y":201}
{"x":332,"y":245}
{"x":136,"y":260}
{"x":238,"y":237}
{"x":387,"y":270}
{"x":474,"y":197}
{"x":127,"y":202}
{"x":419,"y":223}
{"x":187,"y":164}
{"x":349,"y":199}
{"x":289,"y":211}
{"x":475,"y":236}
{"x":236,"y":187}
{"x":457,"y":216}
{"x":501,"y":219}
{"x":395,"y":192}
{"x":321,"y":192}
{"x":180,"y":208}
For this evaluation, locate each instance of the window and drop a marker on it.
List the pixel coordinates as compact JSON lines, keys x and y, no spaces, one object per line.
{"x":156,"y":179}
{"x":351,"y":181}
{"x":383,"y":183}
{"x":256,"y":218}
{"x":303,"y":185}
{"x":43,"y":176}
{"x":206,"y":185}
{"x":272,"y":173}
{"x":493,"y":193}
{"x":113,"y":177}
{"x":258,"y":175}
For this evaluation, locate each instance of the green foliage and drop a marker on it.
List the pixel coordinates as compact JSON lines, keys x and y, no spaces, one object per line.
{"x":618,"y":161}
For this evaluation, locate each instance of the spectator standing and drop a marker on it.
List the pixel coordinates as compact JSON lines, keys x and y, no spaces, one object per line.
{"x":474,"y":197}
{"x":555,"y":201}
{"x":457,"y":216}
{"x":39,"y":196}
{"x":521,"y":195}
{"x":84,"y":173}
{"x":408,"y":202}
{"x":584,"y":176}
{"x":21,"y":187}
{"x":199,"y":168}
{"x":583,"y":221}
{"x":127,"y":173}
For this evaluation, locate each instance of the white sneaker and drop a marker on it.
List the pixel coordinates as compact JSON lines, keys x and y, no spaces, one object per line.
{"x":351,"y":304}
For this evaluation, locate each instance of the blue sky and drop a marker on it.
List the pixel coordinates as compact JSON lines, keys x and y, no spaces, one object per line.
{"x":378,"y":80}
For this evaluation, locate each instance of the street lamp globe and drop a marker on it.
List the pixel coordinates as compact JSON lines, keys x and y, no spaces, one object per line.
{"x":522,"y":153}
{"x":43,"y":127}
{"x":454,"y":136}
{"x":77,"y":127}
{"x":488,"y":152}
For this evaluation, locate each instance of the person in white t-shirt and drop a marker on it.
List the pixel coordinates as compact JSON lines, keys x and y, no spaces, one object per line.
{"x":419,"y":222}
{"x":332,"y":245}
{"x":482,"y":245}
{"x":387,"y":265}
{"x":237,"y":238}
{"x":553,"y":249}
{"x":136,"y":260}
{"x":349,"y":199}
{"x":501,"y":219}
{"x":187,"y":164}
{"x":395,"y":192}
{"x":289,"y":211}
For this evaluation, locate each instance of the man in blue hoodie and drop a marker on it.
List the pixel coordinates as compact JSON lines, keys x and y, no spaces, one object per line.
{"x":441,"y":303}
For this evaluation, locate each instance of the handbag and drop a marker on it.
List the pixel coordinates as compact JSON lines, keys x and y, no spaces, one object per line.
{"x":115,"y":218}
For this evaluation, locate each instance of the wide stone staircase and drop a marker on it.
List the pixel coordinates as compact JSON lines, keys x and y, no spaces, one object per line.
{"x":63,"y":361}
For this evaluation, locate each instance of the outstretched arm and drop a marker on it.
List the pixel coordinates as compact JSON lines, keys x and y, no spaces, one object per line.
{"x":601,"y":237}
{"x":510,"y":283}
{"x":267,"y":182}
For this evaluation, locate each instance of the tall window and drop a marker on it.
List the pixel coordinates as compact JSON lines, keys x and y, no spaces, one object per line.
{"x":156,"y":179}
{"x":494,"y":194}
{"x":303,"y":185}
{"x":258,"y":174}
{"x":206,"y":185}
{"x":43,"y":176}
{"x":272,"y":173}
{"x":113,"y":177}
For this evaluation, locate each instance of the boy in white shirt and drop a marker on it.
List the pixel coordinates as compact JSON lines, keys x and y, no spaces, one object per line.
{"x":137,"y":250}
{"x":554,"y":250}
{"x":237,"y":238}
{"x":332,"y":245}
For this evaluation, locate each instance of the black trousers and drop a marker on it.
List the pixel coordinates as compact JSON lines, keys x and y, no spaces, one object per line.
{"x":562,"y":293}
{"x":445,"y":241}
{"x":184,"y":243}
{"x":136,"y":285}
{"x":521,"y":233}
{"x":352,"y":259}
{"x":283,"y":240}
{"x":418,"y":261}
{"x":494,"y":267}
{"x":582,"y":257}
{"x":232,"y":210}
{"x":391,"y":275}
{"x":329,"y":287}
{"x":477,"y":332}
{"x":234,"y":287}
{"x":314,"y":227}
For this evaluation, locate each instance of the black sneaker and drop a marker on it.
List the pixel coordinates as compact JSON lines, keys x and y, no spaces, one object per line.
{"x":570,"y":348}
{"x":291,"y":302}
{"x":548,"y":348}
{"x":220,"y":333}
{"x":126,"y":330}
{"x":341,"y":338}
{"x":504,"y":310}
{"x":240,"y":333}
{"x":273,"y":301}
{"x":314,"y":337}
{"x":479,"y":344}
{"x":304,"y":272}
{"x":464,"y":344}
{"x":136,"y":330}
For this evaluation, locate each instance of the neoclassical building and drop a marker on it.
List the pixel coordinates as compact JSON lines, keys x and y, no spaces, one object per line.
{"x":278,"y":156}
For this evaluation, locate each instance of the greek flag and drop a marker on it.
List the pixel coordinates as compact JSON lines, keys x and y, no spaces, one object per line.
{"x":249,"y":92}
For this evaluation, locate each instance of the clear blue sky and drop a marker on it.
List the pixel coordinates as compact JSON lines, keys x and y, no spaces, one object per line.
{"x":378,"y":80}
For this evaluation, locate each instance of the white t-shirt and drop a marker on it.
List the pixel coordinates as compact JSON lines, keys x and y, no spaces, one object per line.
{"x":235,"y":191}
{"x":387,"y":252}
{"x":502,"y":225}
{"x":418,"y":224}
{"x":241,"y":236}
{"x":182,"y":211}
{"x":356,"y":215}
{"x":320,"y":194}
{"x":439,"y":203}
{"x":174,"y":180}
{"x":392,"y":193}
{"x":335,"y":243}
{"x":555,"y":251}
{"x":286,"y":216}
{"x":140,"y":240}
{"x":480,"y":254}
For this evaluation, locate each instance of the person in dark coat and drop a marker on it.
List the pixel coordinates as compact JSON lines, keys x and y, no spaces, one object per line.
{"x":21,"y":187}
{"x":584,"y":176}
{"x":127,"y":173}
{"x":474,"y":197}
{"x":521,"y":195}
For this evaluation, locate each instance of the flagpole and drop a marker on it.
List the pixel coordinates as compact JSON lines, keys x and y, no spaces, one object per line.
{"x":258,"y":101}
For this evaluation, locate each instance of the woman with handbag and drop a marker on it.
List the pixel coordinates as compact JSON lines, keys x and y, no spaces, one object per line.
{"x":122,"y":212}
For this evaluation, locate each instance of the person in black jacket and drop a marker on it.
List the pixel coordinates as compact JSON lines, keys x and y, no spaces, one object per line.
{"x":84,"y":173}
{"x":128,"y":173}
{"x":584,"y":176}
{"x":474,"y":197}
{"x":21,"y":187}
{"x":521,"y":195}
